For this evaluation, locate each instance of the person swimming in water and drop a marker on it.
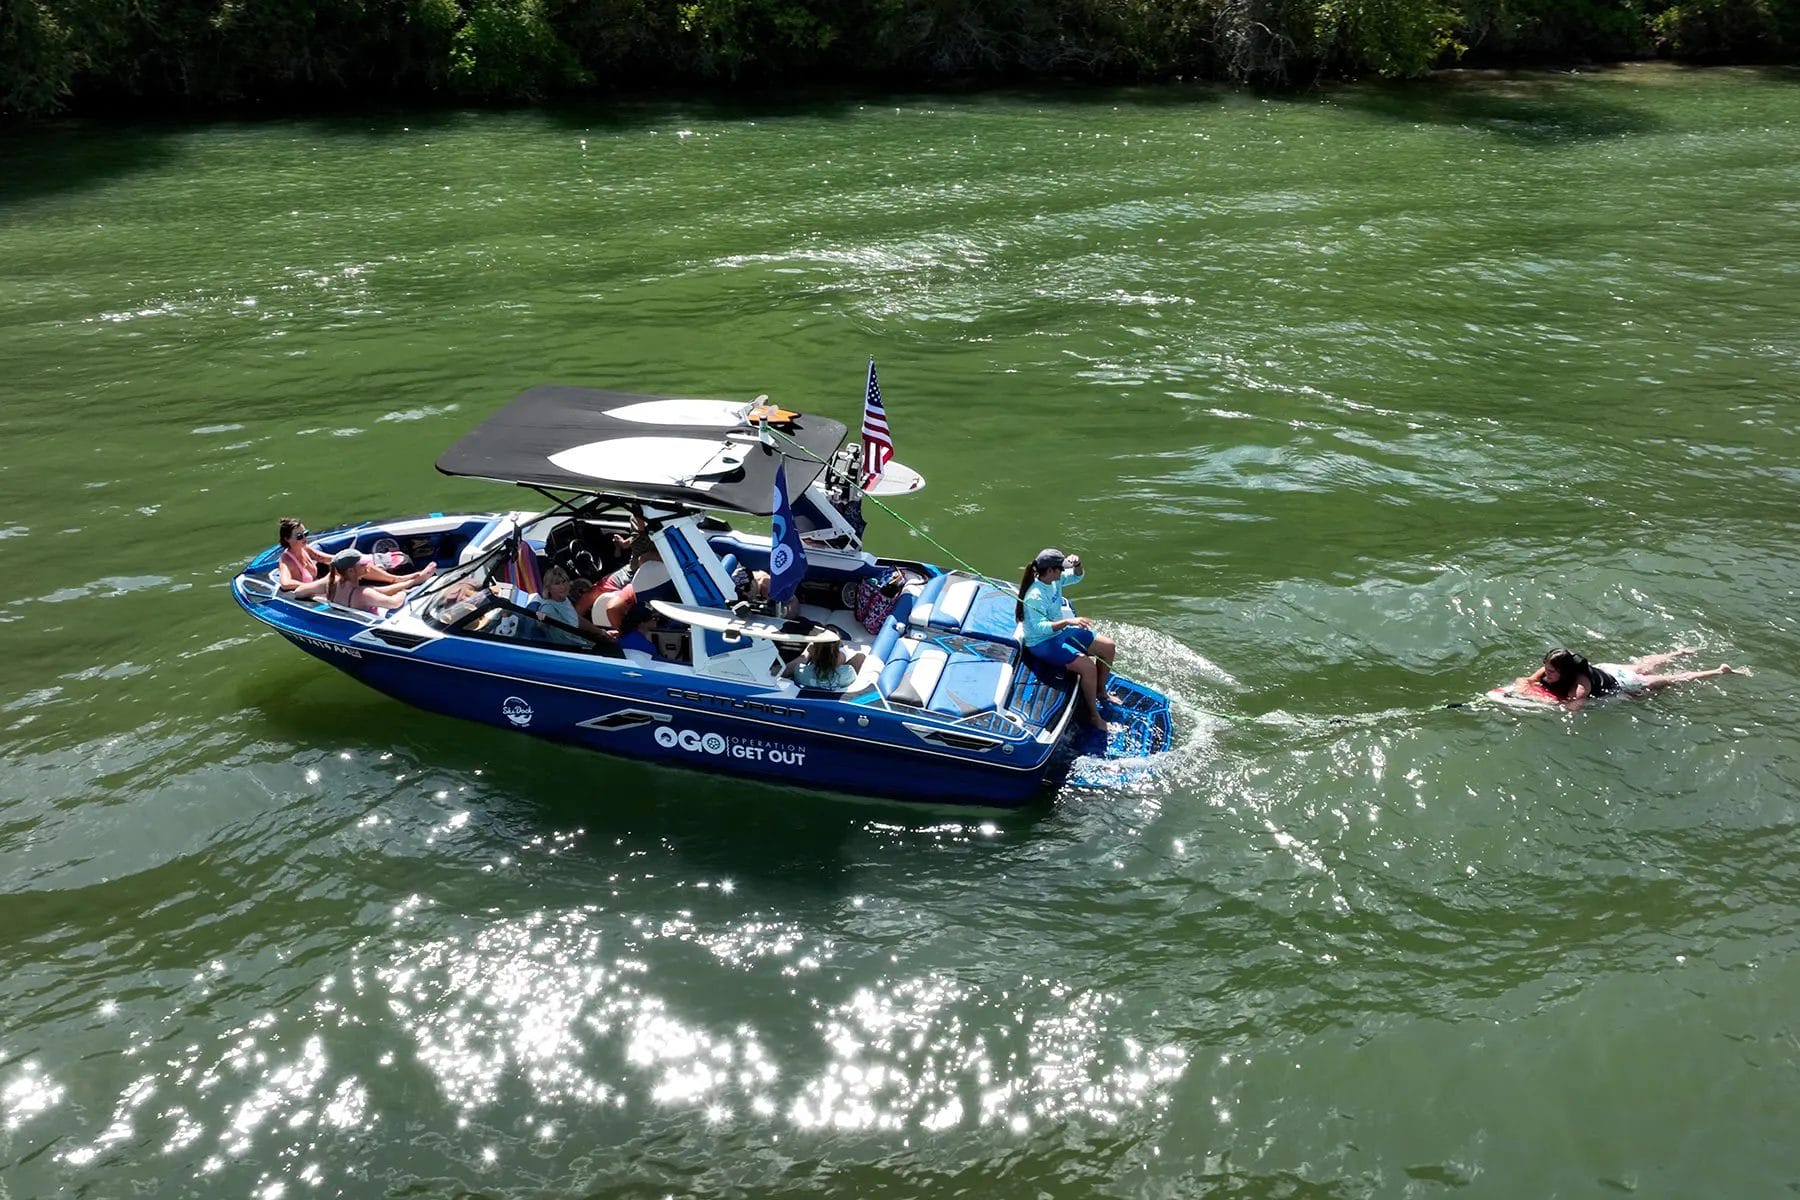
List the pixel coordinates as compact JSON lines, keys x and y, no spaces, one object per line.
{"x":1572,"y":680}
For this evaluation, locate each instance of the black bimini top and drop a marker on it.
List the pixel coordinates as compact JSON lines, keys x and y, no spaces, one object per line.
{"x":690,"y":453}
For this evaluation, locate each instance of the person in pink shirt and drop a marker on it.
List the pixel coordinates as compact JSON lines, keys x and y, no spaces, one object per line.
{"x":301,"y":561}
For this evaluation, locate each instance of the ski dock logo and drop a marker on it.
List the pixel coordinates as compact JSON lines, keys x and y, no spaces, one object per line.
{"x":516,"y":711}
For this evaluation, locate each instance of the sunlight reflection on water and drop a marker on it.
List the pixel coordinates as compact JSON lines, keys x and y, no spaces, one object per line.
{"x":542,"y":999}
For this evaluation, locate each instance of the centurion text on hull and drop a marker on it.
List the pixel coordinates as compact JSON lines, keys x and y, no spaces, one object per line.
{"x":945,"y":707}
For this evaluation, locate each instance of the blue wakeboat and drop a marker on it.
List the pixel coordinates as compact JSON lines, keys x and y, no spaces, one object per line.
{"x":945,"y":707}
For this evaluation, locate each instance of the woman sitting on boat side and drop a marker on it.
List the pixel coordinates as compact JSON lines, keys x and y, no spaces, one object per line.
{"x":348,"y":585}
{"x":1056,"y":637}
{"x":352,"y":575}
{"x":299,"y":562}
{"x":300,"y":559}
{"x":823,"y":666}
{"x":1571,"y":680}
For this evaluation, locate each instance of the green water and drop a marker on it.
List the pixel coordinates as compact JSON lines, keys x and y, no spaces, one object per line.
{"x":1354,"y":403}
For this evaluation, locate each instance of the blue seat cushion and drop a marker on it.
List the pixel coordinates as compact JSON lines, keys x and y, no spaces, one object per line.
{"x":957,"y":603}
{"x":752,"y":556}
{"x":950,"y":675}
{"x":897,"y":660}
{"x":929,"y":591}
{"x":891,"y":630}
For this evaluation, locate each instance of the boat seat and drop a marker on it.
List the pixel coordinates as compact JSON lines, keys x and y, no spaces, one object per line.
{"x":969,"y":685}
{"x":891,"y":630}
{"x":911,"y":674}
{"x":958,"y":603}
{"x":867,"y":675}
{"x":951,"y":676}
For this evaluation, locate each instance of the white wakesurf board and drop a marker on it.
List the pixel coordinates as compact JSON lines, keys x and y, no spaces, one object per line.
{"x":732,"y":623}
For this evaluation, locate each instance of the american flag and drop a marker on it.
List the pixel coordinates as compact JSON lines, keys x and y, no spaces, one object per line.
{"x":878,"y":446}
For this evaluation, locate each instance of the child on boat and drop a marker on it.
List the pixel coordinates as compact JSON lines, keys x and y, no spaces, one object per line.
{"x":824,"y":666}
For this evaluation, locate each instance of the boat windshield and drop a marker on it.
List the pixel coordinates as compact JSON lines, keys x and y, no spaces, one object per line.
{"x":462,"y":590}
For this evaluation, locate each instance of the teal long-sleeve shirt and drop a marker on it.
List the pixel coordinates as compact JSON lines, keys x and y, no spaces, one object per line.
{"x":1044,"y":603}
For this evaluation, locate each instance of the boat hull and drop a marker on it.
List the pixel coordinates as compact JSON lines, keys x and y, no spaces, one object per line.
{"x":859,"y":744}
{"x":794,"y":743}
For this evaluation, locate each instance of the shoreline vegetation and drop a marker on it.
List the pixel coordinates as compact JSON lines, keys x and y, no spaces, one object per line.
{"x":200,"y":56}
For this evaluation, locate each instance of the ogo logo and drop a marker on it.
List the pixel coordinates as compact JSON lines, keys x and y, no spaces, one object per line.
{"x":687,"y":739}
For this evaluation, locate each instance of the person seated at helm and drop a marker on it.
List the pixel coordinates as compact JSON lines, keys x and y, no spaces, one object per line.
{"x":644,"y":574}
{"x":1572,"y":680}
{"x":626,"y":545}
{"x":1056,"y":637}
{"x":824,"y":666}
{"x":300,"y":560}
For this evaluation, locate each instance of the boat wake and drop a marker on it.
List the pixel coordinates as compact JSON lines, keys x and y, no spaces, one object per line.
{"x":1193,"y":684}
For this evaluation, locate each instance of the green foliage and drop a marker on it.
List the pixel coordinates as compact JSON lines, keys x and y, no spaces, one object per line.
{"x":46,"y":45}
{"x":1389,"y":38}
{"x":508,"y":49}
{"x":735,"y":39}
{"x":303,"y":53}
{"x":1715,"y":28}
{"x":39,"y":55}
{"x":1559,"y":29}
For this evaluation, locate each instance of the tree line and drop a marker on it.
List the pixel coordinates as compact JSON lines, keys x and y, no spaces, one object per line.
{"x":105,"y":54}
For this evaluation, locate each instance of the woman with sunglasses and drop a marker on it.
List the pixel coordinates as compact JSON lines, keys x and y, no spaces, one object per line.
{"x":301,"y":561}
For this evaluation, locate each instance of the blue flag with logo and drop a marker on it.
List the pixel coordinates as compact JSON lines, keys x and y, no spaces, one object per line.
{"x":787,"y":557}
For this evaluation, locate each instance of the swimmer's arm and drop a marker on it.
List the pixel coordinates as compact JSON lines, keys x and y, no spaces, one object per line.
{"x":1579,"y":698}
